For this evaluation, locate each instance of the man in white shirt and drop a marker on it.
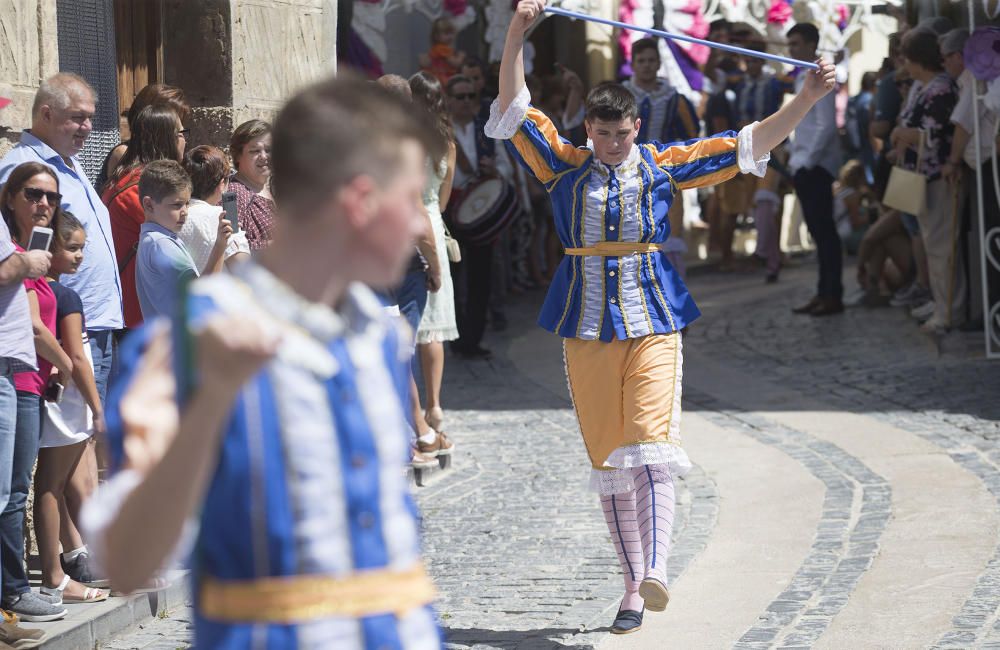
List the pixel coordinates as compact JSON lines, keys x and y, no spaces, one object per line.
{"x":814,"y":162}
{"x":476,"y":155}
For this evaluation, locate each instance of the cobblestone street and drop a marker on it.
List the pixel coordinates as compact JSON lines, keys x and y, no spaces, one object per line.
{"x":846,"y":489}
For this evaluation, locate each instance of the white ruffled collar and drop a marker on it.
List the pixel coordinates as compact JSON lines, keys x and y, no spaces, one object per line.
{"x":624,"y":168}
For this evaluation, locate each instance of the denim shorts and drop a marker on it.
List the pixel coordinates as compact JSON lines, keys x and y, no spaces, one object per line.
{"x":910,"y":223}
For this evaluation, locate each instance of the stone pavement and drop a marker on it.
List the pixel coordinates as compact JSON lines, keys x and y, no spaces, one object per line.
{"x":845,"y":493}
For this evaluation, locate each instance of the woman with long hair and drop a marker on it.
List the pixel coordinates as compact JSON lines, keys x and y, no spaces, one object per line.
{"x":438,"y":322}
{"x":157,"y":134}
{"x":152,"y":94}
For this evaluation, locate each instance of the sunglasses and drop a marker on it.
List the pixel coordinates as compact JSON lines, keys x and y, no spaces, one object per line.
{"x":35,"y":195}
{"x":464,"y":96}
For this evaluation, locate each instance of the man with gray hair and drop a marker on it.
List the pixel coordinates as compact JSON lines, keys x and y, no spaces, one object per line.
{"x":60,"y":124}
{"x":952,"y":44}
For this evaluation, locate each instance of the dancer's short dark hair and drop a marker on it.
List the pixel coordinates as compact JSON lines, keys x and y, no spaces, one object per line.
{"x":610,"y":102}
{"x":338,"y":129}
{"x":807,"y":31}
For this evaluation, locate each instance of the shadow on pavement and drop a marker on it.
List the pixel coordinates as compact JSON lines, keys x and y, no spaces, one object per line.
{"x":520,"y":639}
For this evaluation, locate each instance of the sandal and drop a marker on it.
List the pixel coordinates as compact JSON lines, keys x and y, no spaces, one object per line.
{"x":90,"y":594}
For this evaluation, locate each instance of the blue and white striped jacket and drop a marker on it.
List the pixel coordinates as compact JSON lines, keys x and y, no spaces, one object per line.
{"x":310,"y":479}
{"x":627,"y":296}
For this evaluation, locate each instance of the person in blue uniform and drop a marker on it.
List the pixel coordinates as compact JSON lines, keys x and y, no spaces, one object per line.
{"x":261,"y":432}
{"x":617,"y":303}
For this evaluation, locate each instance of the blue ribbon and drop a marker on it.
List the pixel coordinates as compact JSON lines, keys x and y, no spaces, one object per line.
{"x":681,"y":37}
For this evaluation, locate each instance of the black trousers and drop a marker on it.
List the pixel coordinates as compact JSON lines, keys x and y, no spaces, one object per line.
{"x":476,"y":269}
{"x":814,"y":188}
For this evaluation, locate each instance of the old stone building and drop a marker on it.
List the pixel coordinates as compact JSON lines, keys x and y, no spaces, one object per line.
{"x":235,"y":59}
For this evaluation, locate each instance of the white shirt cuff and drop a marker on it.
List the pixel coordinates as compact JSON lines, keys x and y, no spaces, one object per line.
{"x":744,"y":153}
{"x":503,"y":127}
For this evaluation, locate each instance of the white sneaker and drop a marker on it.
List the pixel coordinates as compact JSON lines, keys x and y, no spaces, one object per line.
{"x":924,"y":311}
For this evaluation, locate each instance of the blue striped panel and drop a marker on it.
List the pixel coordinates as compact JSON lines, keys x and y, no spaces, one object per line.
{"x":359,"y":465}
{"x":381,"y":633}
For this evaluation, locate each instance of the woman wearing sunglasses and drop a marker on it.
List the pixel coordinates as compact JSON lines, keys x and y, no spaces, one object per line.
{"x":29,"y":199}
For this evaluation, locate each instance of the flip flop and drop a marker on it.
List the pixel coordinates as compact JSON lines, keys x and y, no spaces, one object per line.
{"x":90,"y":594}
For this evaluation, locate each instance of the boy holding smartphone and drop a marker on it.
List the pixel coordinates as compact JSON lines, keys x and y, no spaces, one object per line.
{"x":285,"y":458}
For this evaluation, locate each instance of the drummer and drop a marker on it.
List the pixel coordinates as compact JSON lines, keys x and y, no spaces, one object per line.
{"x":475,"y":155}
{"x":617,"y":304}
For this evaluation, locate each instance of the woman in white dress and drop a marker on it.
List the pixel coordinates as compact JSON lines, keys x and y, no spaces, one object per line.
{"x":438,"y":322}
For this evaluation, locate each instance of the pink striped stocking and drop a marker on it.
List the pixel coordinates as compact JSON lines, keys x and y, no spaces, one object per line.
{"x":654,"y":503}
{"x":619,"y":513}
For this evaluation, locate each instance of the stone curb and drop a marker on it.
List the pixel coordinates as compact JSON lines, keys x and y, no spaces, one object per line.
{"x":91,"y":626}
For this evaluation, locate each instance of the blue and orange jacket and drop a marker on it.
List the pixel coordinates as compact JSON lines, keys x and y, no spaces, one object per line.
{"x":626,"y":296}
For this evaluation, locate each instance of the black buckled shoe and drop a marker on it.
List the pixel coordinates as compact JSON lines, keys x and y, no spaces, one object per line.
{"x":627,"y":621}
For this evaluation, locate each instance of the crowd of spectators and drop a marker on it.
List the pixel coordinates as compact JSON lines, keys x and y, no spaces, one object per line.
{"x":81,"y":264}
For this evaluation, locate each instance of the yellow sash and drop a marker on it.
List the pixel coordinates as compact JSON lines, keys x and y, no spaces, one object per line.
{"x":615,"y":249}
{"x":296,"y":599}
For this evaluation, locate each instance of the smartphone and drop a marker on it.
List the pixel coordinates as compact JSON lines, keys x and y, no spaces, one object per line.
{"x":40,"y":239}
{"x":229,"y":205}
{"x":54,"y":392}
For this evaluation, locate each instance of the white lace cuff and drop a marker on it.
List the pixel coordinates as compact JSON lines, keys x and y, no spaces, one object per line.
{"x":503,"y":127}
{"x":744,"y":153}
{"x":624,"y":459}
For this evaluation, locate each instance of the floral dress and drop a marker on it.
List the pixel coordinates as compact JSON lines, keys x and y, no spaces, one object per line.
{"x":931,"y":113}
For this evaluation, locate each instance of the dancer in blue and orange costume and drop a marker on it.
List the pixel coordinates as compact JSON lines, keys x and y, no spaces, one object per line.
{"x":267,"y":420}
{"x":619,"y":305}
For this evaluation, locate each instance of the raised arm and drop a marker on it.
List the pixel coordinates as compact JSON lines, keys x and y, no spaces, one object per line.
{"x":771,"y":132}
{"x":512,"y":63}
{"x":170,"y":454}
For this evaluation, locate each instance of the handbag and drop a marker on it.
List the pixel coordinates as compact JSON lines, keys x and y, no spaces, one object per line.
{"x":907,"y":190}
{"x":451,"y":245}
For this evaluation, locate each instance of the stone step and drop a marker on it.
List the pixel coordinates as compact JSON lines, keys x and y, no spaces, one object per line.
{"x":93,"y":625}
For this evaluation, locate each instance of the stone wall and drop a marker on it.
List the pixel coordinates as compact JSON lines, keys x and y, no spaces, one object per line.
{"x":28,"y":53}
{"x":241,"y":60}
{"x":235,"y":59}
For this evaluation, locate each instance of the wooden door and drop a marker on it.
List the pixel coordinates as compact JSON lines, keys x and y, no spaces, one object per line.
{"x":139,"y":47}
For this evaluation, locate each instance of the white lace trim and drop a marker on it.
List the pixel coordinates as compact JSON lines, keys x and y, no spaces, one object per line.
{"x":744,"y":153}
{"x":437,"y":336}
{"x":616,"y":481}
{"x":503,"y":127}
